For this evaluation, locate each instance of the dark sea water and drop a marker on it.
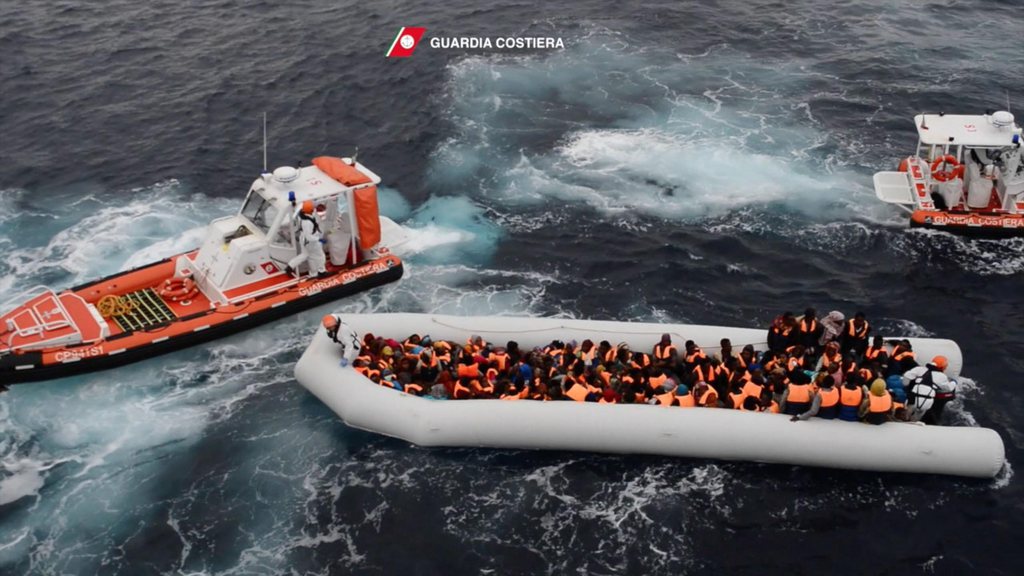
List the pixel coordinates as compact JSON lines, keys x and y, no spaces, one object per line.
{"x":694,"y":162}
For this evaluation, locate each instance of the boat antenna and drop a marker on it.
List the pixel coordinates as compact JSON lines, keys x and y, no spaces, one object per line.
{"x":924,"y":121}
{"x":1008,"y":101}
{"x":264,"y":141}
{"x":355,"y":155}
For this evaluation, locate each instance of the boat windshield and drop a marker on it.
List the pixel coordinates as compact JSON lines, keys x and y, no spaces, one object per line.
{"x":259,"y":211}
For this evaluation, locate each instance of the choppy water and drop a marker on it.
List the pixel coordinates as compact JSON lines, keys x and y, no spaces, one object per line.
{"x":707,"y":163}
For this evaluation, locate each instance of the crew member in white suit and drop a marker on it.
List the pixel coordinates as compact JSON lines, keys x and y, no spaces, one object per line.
{"x":311,"y":244}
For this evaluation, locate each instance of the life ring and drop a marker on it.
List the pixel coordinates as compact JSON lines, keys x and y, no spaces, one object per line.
{"x":947,"y":175}
{"x":176,"y":289}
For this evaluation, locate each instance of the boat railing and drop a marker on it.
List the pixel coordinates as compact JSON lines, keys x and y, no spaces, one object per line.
{"x":40,"y":325}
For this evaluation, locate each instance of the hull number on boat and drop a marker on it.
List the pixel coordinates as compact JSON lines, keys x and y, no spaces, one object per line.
{"x":66,"y":355}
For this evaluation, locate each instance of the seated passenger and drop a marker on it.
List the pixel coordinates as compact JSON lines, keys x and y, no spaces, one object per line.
{"x":877,"y":408}
{"x":683,"y":397}
{"x":902,"y":359}
{"x":829,"y":356}
{"x":876,"y":352}
{"x":588,"y":353}
{"x":768,"y":403}
{"x":855,"y":336}
{"x":751,"y":404}
{"x":831,"y":328}
{"x":824,"y":403}
{"x":693,"y":353}
{"x":781,"y":333}
{"x":705,"y":395}
{"x":809,"y":331}
{"x":664,"y":353}
{"x":798,"y":395}
{"x":736,"y":396}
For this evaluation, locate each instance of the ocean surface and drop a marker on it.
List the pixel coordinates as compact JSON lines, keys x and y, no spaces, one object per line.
{"x":701,"y":162}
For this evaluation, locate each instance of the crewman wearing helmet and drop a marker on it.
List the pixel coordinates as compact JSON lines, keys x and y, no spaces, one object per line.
{"x":929,"y":390}
{"x":311,"y":244}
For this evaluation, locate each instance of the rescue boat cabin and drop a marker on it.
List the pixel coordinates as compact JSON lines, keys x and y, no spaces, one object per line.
{"x":966,"y":175}
{"x":242,"y":254}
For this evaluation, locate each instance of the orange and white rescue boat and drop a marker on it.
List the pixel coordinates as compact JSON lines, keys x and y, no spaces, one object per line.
{"x":238,"y":278}
{"x":966,"y":177}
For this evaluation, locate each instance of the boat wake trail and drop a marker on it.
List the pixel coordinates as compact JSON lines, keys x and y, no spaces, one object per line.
{"x":700,"y":136}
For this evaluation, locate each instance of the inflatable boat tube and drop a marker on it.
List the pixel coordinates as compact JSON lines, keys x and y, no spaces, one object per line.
{"x":629,"y":428}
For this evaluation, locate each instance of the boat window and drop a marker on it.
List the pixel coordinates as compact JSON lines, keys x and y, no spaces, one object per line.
{"x":260,"y":212}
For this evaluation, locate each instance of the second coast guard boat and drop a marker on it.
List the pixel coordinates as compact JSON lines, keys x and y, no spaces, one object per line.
{"x":966,"y":175}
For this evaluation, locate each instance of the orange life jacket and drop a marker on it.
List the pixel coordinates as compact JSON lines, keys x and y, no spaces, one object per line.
{"x":829,"y":398}
{"x":666,"y":398}
{"x":833,"y":359}
{"x":899,"y":356}
{"x":502,"y":359}
{"x":693,"y":356}
{"x":709,"y":399}
{"x":880,"y":403}
{"x":413,"y":388}
{"x":655,"y":382}
{"x":849,"y":397}
{"x":707,"y":375}
{"x":468,"y":371}
{"x":808,"y":328}
{"x":578,"y":392}
{"x":871,"y":353}
{"x":853,"y":332}
{"x":686,"y":401}
{"x":751,"y":389}
{"x":663,"y":352}
{"x":799,"y":393}
{"x":737,"y":400}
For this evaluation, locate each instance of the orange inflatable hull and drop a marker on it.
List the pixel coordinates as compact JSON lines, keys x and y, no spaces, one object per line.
{"x":188,"y":321}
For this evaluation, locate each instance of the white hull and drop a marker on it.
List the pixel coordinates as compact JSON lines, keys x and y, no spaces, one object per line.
{"x":631,"y":429}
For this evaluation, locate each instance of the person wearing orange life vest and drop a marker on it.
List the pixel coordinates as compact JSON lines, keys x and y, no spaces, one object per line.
{"x":767,"y":402}
{"x":876,"y":352}
{"x":754,"y":387}
{"x":735,"y":397}
{"x":666,"y":395}
{"x":683,"y":397}
{"x":693,"y":353}
{"x":829,"y":356}
{"x":809,"y":330}
{"x":781,"y":334}
{"x":797,"y":360}
{"x":902,"y":358}
{"x":705,"y":395}
{"x":730,"y":359}
{"x":665,"y":353}
{"x":824,"y":402}
{"x":855,"y":334}
{"x":877,"y":408}
{"x":797,"y":397}
{"x":851,"y":396}
{"x":703,"y":371}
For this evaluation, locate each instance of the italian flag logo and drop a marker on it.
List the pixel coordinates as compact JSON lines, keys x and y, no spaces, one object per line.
{"x":406,"y":41}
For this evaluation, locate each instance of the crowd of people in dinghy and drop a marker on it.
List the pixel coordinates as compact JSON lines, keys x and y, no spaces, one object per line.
{"x":830,"y":368}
